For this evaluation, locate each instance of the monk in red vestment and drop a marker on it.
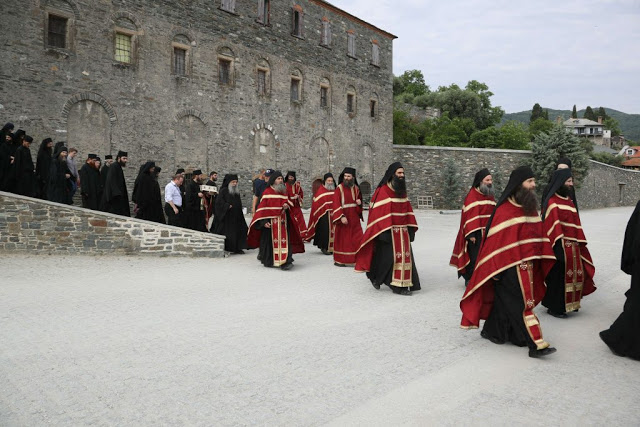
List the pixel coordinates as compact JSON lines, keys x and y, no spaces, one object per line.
{"x":272,"y":229}
{"x":571,"y":277}
{"x":296,"y":195}
{"x":508,"y":280}
{"x":346,"y":216}
{"x":476,"y":210}
{"x":321,"y":229}
{"x":385,"y":253}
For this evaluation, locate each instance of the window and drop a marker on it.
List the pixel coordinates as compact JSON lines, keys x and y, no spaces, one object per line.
{"x":326,"y":32}
{"x":57,"y":32}
{"x":295,"y":89}
{"x":351,"y":43}
{"x":228,"y":5}
{"x":179,"y":61}
{"x":372,"y":108}
{"x":262,"y":82}
{"x":375,"y":53}
{"x":264,"y":12}
{"x":123,"y":48}
{"x":224,"y":71}
{"x":324,"y":96}
{"x":351,"y":103}
{"x":296,"y":27}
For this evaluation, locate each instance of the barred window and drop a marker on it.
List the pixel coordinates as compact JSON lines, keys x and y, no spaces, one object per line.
{"x":295,"y":89}
{"x":57,"y":32}
{"x":224,"y":71}
{"x":262,"y":82}
{"x":351,"y":103}
{"x":179,"y":61}
{"x":123,"y":48}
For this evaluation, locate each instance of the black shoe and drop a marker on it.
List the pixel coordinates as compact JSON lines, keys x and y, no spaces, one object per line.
{"x":558,"y":315}
{"x":405,"y":291}
{"x":610,"y":348}
{"x":286,"y":266}
{"x":494,"y":340}
{"x":375,"y":284}
{"x":240,"y":252}
{"x":337,"y":264}
{"x":540,"y":353}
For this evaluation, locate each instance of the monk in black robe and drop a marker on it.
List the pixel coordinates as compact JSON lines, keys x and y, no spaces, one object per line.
{"x":229,"y":217}
{"x":115,"y":196}
{"x":146,"y":194}
{"x":59,"y":187}
{"x":24,"y":169}
{"x":9,"y":156}
{"x":43,"y":165}
{"x":104,"y":172}
{"x":193,"y":211}
{"x":90,"y":189}
{"x":623,"y":337}
{"x":6,"y":142}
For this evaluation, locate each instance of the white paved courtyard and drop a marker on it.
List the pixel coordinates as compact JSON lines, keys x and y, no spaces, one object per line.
{"x":174,"y":341}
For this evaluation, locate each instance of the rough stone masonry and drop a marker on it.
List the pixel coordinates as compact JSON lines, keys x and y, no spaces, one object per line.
{"x":209,"y":84}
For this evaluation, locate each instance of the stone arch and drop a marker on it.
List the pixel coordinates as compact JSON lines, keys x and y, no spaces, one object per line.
{"x":88,"y":96}
{"x":266,"y":147}
{"x":191,"y":140}
{"x":225,"y":50}
{"x":118,"y":18}
{"x":183,"y":36}
{"x":68,"y":5}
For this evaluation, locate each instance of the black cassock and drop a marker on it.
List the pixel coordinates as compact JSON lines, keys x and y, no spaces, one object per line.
{"x":90,"y":187}
{"x":193,"y":215}
{"x":321,"y":238}
{"x":623,"y":337}
{"x":382,"y":262}
{"x":115,"y":197}
{"x":472,"y":250}
{"x":7,"y":169}
{"x":265,"y":251}
{"x":43,"y":167}
{"x":25,"y":176}
{"x":59,"y":188}
{"x":104,"y":172}
{"x":230,"y":221}
{"x":148,"y":199}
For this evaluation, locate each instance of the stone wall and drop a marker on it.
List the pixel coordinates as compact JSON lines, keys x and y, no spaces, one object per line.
{"x":424,"y":166}
{"x":28,"y":225}
{"x":83,"y":95}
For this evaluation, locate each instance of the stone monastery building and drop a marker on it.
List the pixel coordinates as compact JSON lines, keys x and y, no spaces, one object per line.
{"x":225,"y":85}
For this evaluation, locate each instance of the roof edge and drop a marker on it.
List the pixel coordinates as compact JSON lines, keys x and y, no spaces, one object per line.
{"x":339,"y":11}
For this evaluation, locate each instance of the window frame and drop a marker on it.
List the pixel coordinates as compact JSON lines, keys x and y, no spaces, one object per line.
{"x":187,"y":59}
{"x":230,"y":80}
{"x":264,"y":13}
{"x":298,"y":99}
{"x":354,"y":103}
{"x":297,"y":11}
{"x":373,"y":108}
{"x":327,"y":97}
{"x":375,"y":53}
{"x":325,"y":33}
{"x":231,"y":9}
{"x":69,"y":30}
{"x":267,"y":80}
{"x":351,"y":44}
{"x":131,"y":34}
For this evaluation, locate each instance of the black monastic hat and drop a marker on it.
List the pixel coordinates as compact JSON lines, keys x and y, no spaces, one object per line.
{"x":350,"y":171}
{"x":327,"y":175}
{"x":480,"y":175}
{"x":92,"y":156}
{"x":273,"y":177}
{"x":559,"y":177}
{"x":121,"y":154}
{"x":388,"y":175}
{"x":196,"y":172}
{"x":517,"y":177}
{"x":108,"y":157}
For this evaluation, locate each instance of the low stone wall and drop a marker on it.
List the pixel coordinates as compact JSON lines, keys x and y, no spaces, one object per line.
{"x":28,"y":224}
{"x":424,"y":164}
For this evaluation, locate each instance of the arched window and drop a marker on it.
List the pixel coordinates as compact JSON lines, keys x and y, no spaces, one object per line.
{"x":59,"y":24}
{"x":325,"y":93}
{"x":126,"y":33}
{"x":226,"y":62}
{"x":352,"y":101}
{"x":296,"y":85}
{"x":181,"y":55}
{"x":263,"y":81}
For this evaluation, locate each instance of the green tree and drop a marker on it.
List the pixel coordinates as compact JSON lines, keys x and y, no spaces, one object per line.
{"x":602,"y":113}
{"x":613,"y":125}
{"x":548,"y":147}
{"x":498,"y":183}
{"x":536,"y":113}
{"x":539,"y":125}
{"x":405,"y":131}
{"x":589,"y":114}
{"x":514,"y":136}
{"x":574,"y":112}
{"x":412,"y":82}
{"x":486,"y":138}
{"x":451,"y":185}
{"x":446,"y":132}
{"x":607,"y":158}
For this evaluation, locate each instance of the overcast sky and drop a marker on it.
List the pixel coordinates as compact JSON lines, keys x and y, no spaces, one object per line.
{"x":556,"y":53}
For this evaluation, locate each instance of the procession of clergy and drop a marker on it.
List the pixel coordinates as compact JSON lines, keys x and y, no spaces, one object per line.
{"x":511,"y":257}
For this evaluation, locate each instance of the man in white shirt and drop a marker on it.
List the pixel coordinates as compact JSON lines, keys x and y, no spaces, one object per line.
{"x":173,"y":199}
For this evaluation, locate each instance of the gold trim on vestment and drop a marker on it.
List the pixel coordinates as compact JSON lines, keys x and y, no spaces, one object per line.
{"x":511,"y":246}
{"x":511,"y":222}
{"x":328,"y":193}
{"x":563,"y":207}
{"x":478,"y":203}
{"x":275,"y":196}
{"x":389,"y":200}
{"x":474,"y":218}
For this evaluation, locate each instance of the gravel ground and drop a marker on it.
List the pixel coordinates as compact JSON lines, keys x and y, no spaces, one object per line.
{"x":174,"y":341}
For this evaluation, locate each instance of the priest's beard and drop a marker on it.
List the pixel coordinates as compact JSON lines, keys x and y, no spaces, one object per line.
{"x":564,"y":191}
{"x":348,"y":182}
{"x":528,"y":200}
{"x":399,"y":186}
{"x":487,"y":189}
{"x":330,"y":187}
{"x":233,"y":190}
{"x":280,"y":188}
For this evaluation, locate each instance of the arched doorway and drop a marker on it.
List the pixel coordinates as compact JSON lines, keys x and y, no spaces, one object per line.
{"x":191,"y":144}
{"x":264,"y":149}
{"x":88,"y":129}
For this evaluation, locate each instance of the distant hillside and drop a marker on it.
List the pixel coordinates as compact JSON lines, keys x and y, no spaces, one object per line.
{"x":629,"y":123}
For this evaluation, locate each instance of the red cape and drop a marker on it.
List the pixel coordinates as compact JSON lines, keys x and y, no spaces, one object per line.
{"x":386,"y":211}
{"x":512,"y":239}
{"x":322,"y":203}
{"x":296,"y":207}
{"x":561,"y":221}
{"x":271,"y":207}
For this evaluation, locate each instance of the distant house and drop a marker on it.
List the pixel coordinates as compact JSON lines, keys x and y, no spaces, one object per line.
{"x":632,"y":157}
{"x":588,"y":129}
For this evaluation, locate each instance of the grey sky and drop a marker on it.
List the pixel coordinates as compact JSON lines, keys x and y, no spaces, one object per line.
{"x":557,"y":53}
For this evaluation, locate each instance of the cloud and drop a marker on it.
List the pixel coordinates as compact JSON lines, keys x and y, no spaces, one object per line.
{"x":548,"y":51}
